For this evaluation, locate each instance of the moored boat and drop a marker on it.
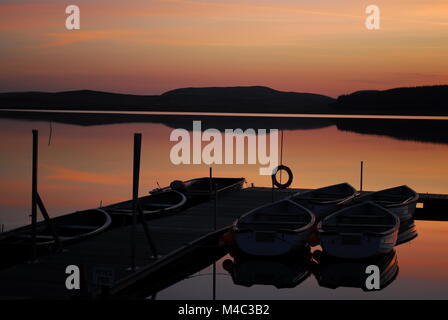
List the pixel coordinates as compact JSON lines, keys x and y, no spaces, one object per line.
{"x":274,"y":229}
{"x":154,"y":205}
{"x":401,"y":200}
{"x":324,"y":201}
{"x":359,"y":231}
{"x":203,"y":186}
{"x":17,"y":244}
{"x":407,"y":232}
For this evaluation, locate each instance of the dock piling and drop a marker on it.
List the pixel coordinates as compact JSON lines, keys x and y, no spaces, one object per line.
{"x":361,"y":176}
{"x":34,"y":195}
{"x":135,"y":184}
{"x":211,"y":179}
{"x":216,"y":205}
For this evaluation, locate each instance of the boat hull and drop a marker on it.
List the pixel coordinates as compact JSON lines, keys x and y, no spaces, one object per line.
{"x":404,"y":212}
{"x":357,"y":246}
{"x":259,"y":243}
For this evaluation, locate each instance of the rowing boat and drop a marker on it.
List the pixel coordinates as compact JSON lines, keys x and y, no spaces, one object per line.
{"x":359,"y":231}
{"x":274,"y":229}
{"x":203,"y":186}
{"x":154,"y":205}
{"x":401,"y":200}
{"x":325,"y":200}
{"x":17,"y":244}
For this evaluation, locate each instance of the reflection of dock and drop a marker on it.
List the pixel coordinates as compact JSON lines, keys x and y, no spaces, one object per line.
{"x":105,"y":259}
{"x":432,"y":207}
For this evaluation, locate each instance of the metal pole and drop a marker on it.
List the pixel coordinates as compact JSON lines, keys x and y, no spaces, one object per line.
{"x":135,"y":183}
{"x":147,"y":232}
{"x":34,"y":195}
{"x":214,"y":281}
{"x":43,"y":210}
{"x":281,"y":156}
{"x":211,"y":179}
{"x":361,"y":177}
{"x":216,"y":205}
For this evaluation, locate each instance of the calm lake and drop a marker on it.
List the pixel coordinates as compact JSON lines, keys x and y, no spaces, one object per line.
{"x":85,"y":162}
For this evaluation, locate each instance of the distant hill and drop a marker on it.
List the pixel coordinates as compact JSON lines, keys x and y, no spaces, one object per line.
{"x":212,"y":99}
{"x":429,"y":100}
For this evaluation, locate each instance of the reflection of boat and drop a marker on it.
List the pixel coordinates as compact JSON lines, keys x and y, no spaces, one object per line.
{"x":203,"y":186}
{"x":280,"y":273}
{"x":407,"y":231}
{"x":359,"y":231}
{"x":274,"y":229}
{"x":401,"y":200}
{"x":323,"y":201}
{"x":334,"y":272}
{"x":153,"y":205}
{"x":70,"y":228}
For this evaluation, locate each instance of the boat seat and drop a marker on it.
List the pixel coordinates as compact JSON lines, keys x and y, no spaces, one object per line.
{"x":273,"y":223}
{"x":164,"y":205}
{"x":74,"y":226}
{"x":277,"y":214}
{"x":41,"y":236}
{"x":357,"y":225}
{"x":318,"y":198}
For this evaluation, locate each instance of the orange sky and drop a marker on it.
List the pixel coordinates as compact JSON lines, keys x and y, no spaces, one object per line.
{"x":150,"y":46}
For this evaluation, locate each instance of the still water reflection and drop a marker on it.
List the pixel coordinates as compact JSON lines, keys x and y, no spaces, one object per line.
{"x":415,"y":270}
{"x":83,"y":166}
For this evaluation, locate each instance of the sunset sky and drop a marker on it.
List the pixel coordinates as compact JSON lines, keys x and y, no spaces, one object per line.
{"x":151,"y":46}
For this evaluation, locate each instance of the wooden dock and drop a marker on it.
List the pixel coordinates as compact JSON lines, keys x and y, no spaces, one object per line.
{"x":106,"y":257}
{"x":185,"y":241}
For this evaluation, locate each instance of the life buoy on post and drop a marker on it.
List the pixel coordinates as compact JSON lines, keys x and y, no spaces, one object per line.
{"x":274,"y":177}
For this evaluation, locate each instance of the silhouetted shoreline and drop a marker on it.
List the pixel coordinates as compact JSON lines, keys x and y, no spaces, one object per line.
{"x":433,"y":131}
{"x":429,"y":100}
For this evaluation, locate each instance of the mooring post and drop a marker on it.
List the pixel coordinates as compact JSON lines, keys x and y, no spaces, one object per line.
{"x":135,"y":184}
{"x":34,"y":195}
{"x":361,"y":176}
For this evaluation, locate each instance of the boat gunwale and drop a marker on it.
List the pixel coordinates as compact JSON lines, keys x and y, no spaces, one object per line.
{"x":239,"y":181}
{"x":410,"y":200}
{"x":279,"y":230}
{"x":117,"y":211}
{"x":16,"y":232}
{"x":335,"y":201}
{"x":395,"y":228}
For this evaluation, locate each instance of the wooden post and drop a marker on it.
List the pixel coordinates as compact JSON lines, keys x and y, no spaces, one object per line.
{"x":135,"y":184}
{"x":34,"y":195}
{"x":361,"y":176}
